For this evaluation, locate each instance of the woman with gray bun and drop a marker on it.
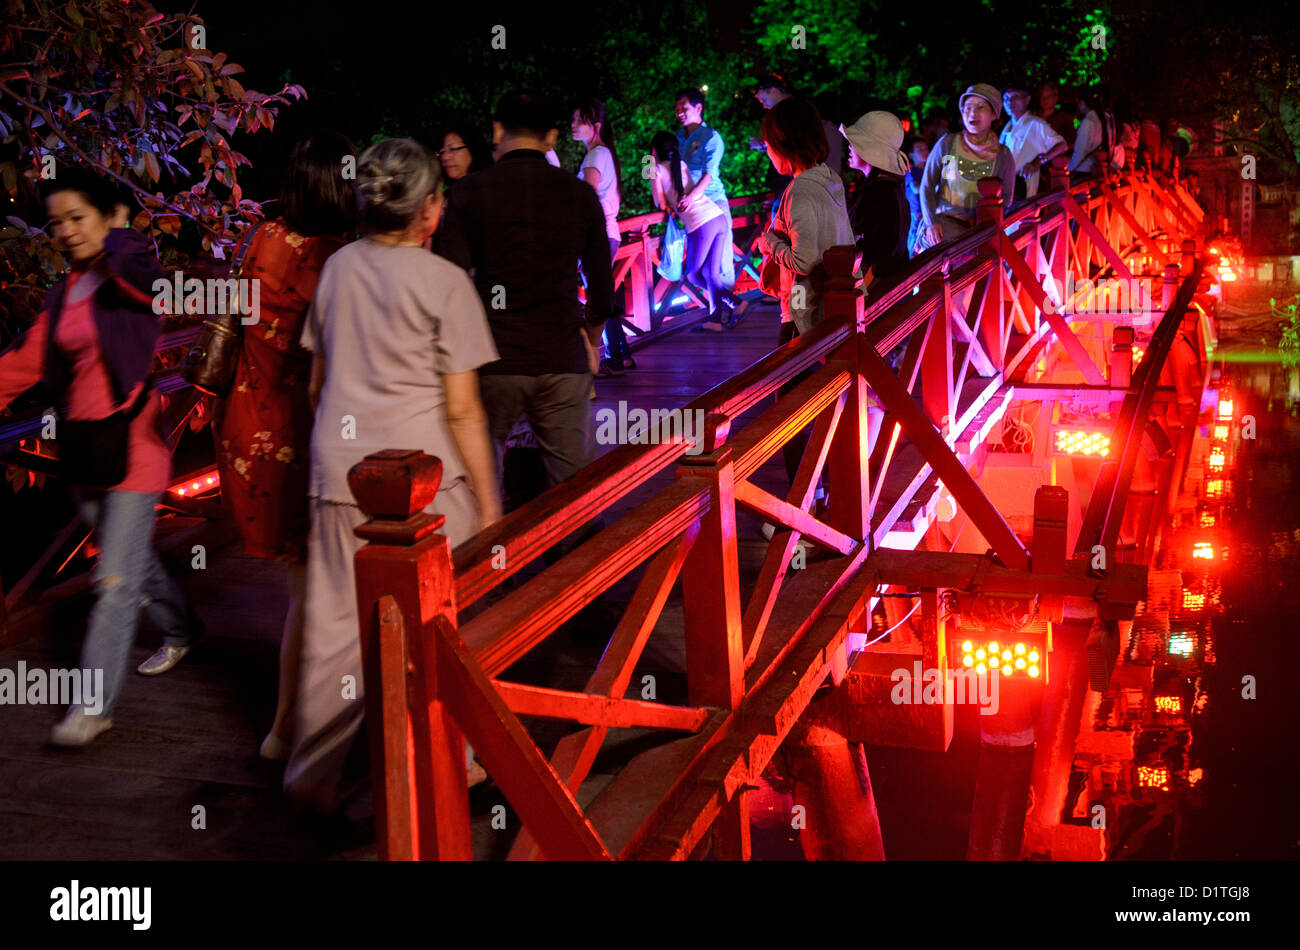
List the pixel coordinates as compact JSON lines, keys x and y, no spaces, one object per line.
{"x":397,"y":335}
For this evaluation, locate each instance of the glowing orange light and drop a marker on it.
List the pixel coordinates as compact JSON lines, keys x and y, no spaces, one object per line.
{"x":1193,"y":601}
{"x":981,"y":669}
{"x":1217,"y":459}
{"x":1081,"y":443}
{"x":1195,"y":775}
{"x":1006,"y":671}
{"x":1207,"y":519}
{"x":1153,"y":776}
{"x":993,"y":647}
{"x":1204,"y":550}
{"x":968,"y":660}
{"x":967,"y":646}
{"x":980,"y":654}
{"x":1225,"y":408}
{"x":1020,"y":662}
{"x":1213,"y":488}
{"x":1220,"y":432}
{"x":1033,"y":656}
{"x":1138,"y":353}
{"x":1169,"y":704}
{"x":1033,"y":671}
{"x":1020,"y":649}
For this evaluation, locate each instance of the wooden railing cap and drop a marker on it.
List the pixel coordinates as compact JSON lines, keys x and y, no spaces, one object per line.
{"x":395,"y":484}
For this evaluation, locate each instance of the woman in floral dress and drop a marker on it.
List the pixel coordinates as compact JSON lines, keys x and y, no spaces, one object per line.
{"x":264,"y":434}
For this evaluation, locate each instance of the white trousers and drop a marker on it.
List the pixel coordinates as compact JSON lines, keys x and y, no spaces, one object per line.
{"x":331,"y":692}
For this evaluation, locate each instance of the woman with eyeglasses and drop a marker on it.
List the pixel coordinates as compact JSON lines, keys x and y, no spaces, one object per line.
{"x":462,"y":152}
{"x":949,"y":188}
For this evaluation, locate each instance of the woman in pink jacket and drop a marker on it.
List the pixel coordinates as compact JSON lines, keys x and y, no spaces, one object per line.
{"x":93,"y":345}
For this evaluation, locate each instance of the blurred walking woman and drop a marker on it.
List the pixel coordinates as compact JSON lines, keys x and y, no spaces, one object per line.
{"x":396,"y":335}
{"x":93,"y":346}
{"x":264,"y":436}
{"x":949,"y":187}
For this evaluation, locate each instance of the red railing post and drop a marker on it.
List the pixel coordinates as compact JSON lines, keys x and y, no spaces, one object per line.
{"x":993,"y":308}
{"x":715,"y":652}
{"x":640,"y":285}
{"x":846,"y":466}
{"x":404,"y":579}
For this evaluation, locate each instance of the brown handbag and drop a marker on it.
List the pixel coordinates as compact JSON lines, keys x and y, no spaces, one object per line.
{"x":210,"y":364}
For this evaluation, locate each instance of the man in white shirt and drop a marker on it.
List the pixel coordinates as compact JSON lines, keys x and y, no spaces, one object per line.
{"x":1030,"y":138}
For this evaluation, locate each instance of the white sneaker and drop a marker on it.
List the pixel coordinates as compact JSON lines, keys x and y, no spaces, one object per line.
{"x":275,"y":749}
{"x":163,"y":660}
{"x":79,"y":728}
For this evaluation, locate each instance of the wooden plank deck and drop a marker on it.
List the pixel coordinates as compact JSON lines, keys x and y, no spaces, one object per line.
{"x":189,"y":738}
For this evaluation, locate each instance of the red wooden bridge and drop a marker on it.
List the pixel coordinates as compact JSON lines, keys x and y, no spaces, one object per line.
{"x":1010,"y":475}
{"x":1000,"y":432}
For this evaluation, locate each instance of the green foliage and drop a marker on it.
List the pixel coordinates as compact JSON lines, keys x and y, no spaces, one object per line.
{"x":916,"y":58}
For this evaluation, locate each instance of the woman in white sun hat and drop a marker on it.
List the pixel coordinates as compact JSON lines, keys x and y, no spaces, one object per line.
{"x":877,"y":202}
{"x":949,"y":192}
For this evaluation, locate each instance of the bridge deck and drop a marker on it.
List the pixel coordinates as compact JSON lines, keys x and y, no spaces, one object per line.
{"x":189,"y":738}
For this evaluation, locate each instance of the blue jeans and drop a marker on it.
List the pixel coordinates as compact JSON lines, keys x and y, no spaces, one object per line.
{"x":706,"y":250}
{"x":129,"y":577}
{"x":728,"y":262}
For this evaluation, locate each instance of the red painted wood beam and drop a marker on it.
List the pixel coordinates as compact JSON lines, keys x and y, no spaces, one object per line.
{"x":543,"y":802}
{"x":965,"y":491}
{"x":594,"y":710}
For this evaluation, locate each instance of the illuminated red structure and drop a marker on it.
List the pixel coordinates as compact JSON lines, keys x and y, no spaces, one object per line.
{"x":981,"y":333}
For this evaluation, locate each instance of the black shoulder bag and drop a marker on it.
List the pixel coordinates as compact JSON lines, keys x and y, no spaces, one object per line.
{"x":211,"y":362}
{"x":94,"y":453}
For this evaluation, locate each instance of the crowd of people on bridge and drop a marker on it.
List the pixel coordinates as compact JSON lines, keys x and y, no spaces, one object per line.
{"x":374,"y":343}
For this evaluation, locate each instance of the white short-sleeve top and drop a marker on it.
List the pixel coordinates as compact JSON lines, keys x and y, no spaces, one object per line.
{"x":389,"y":322}
{"x":602,"y":160}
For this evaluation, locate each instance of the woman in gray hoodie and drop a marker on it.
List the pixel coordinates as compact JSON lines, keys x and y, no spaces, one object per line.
{"x":811,"y":215}
{"x":810,"y":218}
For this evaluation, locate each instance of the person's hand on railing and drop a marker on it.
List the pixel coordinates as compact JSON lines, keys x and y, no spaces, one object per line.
{"x":930,"y":236}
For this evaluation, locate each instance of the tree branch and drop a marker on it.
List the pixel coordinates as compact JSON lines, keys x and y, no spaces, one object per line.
{"x":76,"y":150}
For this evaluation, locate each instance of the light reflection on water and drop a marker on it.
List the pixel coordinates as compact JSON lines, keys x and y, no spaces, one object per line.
{"x":1151,"y":745}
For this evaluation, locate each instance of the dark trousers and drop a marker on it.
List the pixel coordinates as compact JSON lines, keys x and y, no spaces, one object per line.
{"x":615,"y":336}
{"x":558,"y":407}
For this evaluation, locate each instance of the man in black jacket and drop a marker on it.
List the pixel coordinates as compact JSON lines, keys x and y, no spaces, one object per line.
{"x":521,"y":228}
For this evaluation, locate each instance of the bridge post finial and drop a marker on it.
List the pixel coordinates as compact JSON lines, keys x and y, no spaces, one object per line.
{"x":990,"y":206}
{"x":405,"y":579}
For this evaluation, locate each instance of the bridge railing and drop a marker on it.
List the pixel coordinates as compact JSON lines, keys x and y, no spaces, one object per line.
{"x":647,"y":297}
{"x":973,"y":321}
